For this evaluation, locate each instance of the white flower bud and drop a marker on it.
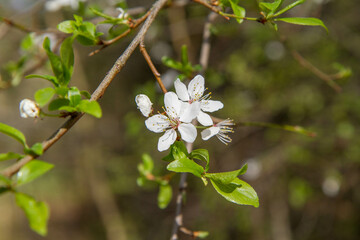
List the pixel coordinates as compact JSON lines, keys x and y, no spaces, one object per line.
{"x":144,"y":104}
{"x":29,"y":108}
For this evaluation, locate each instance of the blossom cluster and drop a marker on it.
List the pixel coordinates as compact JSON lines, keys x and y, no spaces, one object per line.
{"x":181,"y":108}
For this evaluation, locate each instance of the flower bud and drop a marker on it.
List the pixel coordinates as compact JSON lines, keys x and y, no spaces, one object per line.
{"x":29,"y":108}
{"x":144,"y":104}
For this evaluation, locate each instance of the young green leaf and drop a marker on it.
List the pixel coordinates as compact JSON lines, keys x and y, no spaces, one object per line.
{"x":86,"y":94}
{"x":32,"y":170}
{"x":164,"y":196}
{"x":147,"y":165}
{"x":303,"y":21}
{"x":43,"y":96}
{"x":288,"y":7}
{"x":237,"y":191}
{"x":55,"y":62}
{"x":9,"y":155}
{"x":203,"y":155}
{"x":37,"y":149}
{"x":238,"y":11}
{"x":67,"y":55}
{"x":5,"y":180}
{"x":90,"y":107}
{"x":58,"y":103}
{"x":226,"y":177}
{"x":37,"y":213}
{"x":272,"y":7}
{"x":186,"y":165}
{"x":66,"y":26}
{"x":52,"y":79}
{"x":178,"y":150}
{"x":74,"y":96}
{"x":14,"y":133}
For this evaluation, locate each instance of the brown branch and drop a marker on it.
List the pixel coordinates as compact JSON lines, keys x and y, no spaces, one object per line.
{"x":15,"y":25}
{"x":323,"y":76}
{"x":205,"y":46}
{"x":134,"y":24}
{"x":211,"y":7}
{"x":97,"y":94}
{"x":152,"y":66}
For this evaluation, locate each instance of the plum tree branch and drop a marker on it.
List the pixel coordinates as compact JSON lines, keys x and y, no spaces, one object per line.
{"x":97,"y":94}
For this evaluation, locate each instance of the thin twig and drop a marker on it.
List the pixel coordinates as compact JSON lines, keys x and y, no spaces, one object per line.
{"x":16,"y":25}
{"x":132,"y":26}
{"x":97,"y":94}
{"x":152,"y":66}
{"x":205,"y":46}
{"x":320,"y":74}
{"x":211,"y":7}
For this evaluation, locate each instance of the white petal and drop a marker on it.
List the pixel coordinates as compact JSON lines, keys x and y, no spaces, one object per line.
{"x":172,"y":105}
{"x":144,"y":104}
{"x":211,"y":106}
{"x":204,"y":119}
{"x":157,"y":123}
{"x":189,"y":111}
{"x":181,"y":90}
{"x":188,"y":132}
{"x":196,"y":87}
{"x":209,"y":132}
{"x":166,"y":140}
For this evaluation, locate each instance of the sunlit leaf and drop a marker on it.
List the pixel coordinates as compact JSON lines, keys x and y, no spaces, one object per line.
{"x":238,"y":11}
{"x":50,"y":78}
{"x":186,"y":165}
{"x":237,"y":191}
{"x":9,"y":155}
{"x":37,"y":213}
{"x":226,"y":177}
{"x":44,"y":95}
{"x":32,"y":170}
{"x":14,"y":133}
{"x":90,"y":107}
{"x":201,"y":154}
{"x":58,"y":103}
{"x":303,"y":21}
{"x":164,"y":196}
{"x":66,"y":26}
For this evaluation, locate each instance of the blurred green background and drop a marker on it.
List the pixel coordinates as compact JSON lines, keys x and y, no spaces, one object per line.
{"x":308,"y":186}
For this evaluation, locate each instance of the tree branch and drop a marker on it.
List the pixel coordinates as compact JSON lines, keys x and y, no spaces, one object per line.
{"x":97,"y":94}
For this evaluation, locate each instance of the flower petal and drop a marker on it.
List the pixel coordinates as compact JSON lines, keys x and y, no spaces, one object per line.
{"x":196,"y":87}
{"x":189,"y":111}
{"x":157,"y":123}
{"x":188,"y":132}
{"x":209,"y":132}
{"x":181,"y":90}
{"x":204,"y":119}
{"x":172,"y":105}
{"x":211,"y":106}
{"x":166,"y":140}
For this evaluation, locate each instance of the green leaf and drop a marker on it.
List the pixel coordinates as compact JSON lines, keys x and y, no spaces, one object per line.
{"x":37,"y":149}
{"x":52,"y":79}
{"x":67,"y":56}
{"x":37,"y":213}
{"x":90,"y":107}
{"x":86,"y":94}
{"x":186,"y":165}
{"x":226,"y":177}
{"x":5,"y":180}
{"x":43,"y":96}
{"x":32,"y":170}
{"x":9,"y":155}
{"x":272,"y":7}
{"x":14,"y":133}
{"x":201,"y":154}
{"x":68,"y":109}
{"x":238,"y":11}
{"x":147,"y":165}
{"x":303,"y":21}
{"x":4,"y":189}
{"x":171,"y":63}
{"x":202,"y":234}
{"x":164,"y":196}
{"x":288,"y":7}
{"x":58,"y":103}
{"x":184,"y":55}
{"x":96,"y":12}
{"x":178,"y":150}
{"x":27,"y":42}
{"x":74,"y":96}
{"x":66,"y":26}
{"x":237,"y":191}
{"x":55,"y":62}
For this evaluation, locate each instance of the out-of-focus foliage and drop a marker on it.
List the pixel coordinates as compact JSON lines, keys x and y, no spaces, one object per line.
{"x":308,"y":187}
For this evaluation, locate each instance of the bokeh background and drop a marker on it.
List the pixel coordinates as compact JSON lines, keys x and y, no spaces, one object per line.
{"x":308,"y":186}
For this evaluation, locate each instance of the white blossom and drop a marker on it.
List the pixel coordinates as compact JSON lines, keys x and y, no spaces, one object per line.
{"x":144,"y":104}
{"x":178,"y":117}
{"x":195,"y":94}
{"x":122,"y":13}
{"x":221,"y":130}
{"x":29,"y":108}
